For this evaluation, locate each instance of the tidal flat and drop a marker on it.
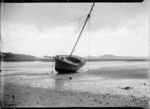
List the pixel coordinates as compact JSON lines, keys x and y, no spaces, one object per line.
{"x":97,"y":84}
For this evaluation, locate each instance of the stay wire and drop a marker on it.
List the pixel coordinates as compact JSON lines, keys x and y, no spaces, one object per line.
{"x":66,"y":45}
{"x":89,"y":44}
{"x":44,"y":30}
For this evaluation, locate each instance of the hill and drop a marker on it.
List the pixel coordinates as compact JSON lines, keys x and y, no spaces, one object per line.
{"x":110,"y":57}
{"x":8,"y":56}
{"x":13,"y":57}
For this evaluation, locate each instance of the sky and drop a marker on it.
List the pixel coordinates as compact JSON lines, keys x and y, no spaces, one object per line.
{"x":41,"y":29}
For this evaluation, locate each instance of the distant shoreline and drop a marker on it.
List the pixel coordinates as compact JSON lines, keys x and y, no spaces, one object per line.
{"x":12,"y":57}
{"x":51,"y":60}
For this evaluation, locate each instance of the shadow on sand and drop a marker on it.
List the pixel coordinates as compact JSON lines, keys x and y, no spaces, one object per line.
{"x":64,"y":73}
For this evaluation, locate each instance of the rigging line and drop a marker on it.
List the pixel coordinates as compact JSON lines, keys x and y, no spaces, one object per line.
{"x":82,"y":29}
{"x":79,"y":23}
{"x":89,"y":44}
{"x":89,"y":25}
{"x":62,"y":46}
{"x":67,"y":45}
{"x":46,"y":30}
{"x":68,"y":41}
{"x":69,"y":21}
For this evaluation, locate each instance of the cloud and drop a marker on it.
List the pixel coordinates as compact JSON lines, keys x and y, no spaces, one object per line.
{"x":115,"y":29}
{"x":47,"y":15}
{"x":129,"y":38}
{"x":42,"y":15}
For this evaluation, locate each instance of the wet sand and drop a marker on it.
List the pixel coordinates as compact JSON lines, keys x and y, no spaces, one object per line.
{"x":98,"y":87}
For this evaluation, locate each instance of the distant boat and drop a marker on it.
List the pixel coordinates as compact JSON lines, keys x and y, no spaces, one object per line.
{"x":71,"y":63}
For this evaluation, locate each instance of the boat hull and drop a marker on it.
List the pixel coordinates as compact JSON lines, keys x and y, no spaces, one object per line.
{"x":67,"y":66}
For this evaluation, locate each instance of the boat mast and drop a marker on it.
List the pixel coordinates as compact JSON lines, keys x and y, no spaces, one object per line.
{"x":82,"y":28}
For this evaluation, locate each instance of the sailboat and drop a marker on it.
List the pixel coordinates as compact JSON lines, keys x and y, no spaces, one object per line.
{"x":71,"y":63}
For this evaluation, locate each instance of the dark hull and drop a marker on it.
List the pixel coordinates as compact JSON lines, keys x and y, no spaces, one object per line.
{"x":68,"y":66}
